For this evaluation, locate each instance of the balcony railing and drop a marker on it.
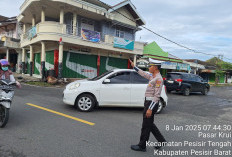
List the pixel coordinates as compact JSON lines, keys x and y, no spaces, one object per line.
{"x":6,"y":34}
{"x":46,"y":27}
{"x":66,"y":31}
{"x":10,"y":42}
{"x":1,"y":43}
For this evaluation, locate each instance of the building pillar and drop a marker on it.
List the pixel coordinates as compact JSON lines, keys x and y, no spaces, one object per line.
{"x":61,"y":15}
{"x":8,"y":54}
{"x":43,"y":15}
{"x":61,"y":49}
{"x":135,"y":59}
{"x":31,"y":60}
{"x":43,"y":60}
{"x":23,"y":60}
{"x":74,"y":23}
{"x":24,"y":28}
{"x":33,"y":20}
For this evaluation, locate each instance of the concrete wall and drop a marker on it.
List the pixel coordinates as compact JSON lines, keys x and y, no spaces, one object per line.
{"x":108,"y":29}
{"x":104,"y":27}
{"x":123,"y":19}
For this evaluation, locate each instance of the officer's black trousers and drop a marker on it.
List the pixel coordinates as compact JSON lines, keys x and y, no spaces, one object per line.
{"x":149,"y":126}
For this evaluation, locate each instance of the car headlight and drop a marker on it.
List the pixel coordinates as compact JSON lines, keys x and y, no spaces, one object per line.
{"x":74,"y":86}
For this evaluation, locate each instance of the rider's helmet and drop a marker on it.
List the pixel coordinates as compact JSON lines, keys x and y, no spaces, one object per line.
{"x":4,"y":62}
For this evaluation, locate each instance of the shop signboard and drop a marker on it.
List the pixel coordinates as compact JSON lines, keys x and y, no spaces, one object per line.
{"x":182,"y":66}
{"x":168,"y":65}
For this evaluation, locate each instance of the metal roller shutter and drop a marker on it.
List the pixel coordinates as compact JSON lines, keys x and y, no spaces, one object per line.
{"x":110,"y":63}
{"x":37,"y":63}
{"x":79,"y":65}
{"x":49,"y":64}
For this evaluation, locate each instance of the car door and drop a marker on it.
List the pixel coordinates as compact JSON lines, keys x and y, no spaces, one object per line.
{"x":200,"y":84}
{"x":192,"y":81}
{"x":118,"y":91}
{"x":138,"y":88}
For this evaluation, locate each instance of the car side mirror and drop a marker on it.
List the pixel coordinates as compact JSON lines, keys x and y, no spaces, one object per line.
{"x":106,"y":81}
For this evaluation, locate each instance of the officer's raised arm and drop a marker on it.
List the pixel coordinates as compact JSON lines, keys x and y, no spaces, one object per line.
{"x":141,"y":72}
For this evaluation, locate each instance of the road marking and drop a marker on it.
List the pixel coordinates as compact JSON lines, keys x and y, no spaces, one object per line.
{"x":61,"y":114}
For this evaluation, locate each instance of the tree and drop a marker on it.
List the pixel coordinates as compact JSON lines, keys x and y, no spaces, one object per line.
{"x":221,"y":67}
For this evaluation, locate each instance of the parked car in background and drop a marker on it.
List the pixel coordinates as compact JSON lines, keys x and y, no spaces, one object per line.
{"x":185,"y":83}
{"x":117,"y":88}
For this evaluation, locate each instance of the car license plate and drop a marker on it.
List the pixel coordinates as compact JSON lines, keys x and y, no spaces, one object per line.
{"x":170,"y":81}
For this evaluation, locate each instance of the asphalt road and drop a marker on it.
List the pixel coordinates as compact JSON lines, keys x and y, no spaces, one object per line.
{"x":34,"y":132}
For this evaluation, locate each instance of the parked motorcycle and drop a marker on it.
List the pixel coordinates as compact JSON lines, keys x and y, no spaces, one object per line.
{"x":6,"y":96}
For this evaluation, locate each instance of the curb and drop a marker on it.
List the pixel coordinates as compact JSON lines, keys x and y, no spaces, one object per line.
{"x":42,"y":86}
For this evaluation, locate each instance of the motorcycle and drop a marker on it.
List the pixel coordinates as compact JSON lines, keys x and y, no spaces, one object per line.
{"x":6,"y":97}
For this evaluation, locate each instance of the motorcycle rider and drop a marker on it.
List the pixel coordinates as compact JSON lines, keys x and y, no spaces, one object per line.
{"x":5,"y":73}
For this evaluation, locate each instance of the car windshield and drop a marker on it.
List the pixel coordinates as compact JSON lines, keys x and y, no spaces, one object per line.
{"x":101,"y":76}
{"x":173,"y":76}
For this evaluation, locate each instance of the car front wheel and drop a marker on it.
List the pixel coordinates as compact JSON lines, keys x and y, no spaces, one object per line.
{"x":85,"y":103}
{"x":205,"y":91}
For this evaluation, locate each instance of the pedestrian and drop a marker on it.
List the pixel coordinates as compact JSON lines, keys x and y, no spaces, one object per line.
{"x":5,"y":73}
{"x":152,"y":97}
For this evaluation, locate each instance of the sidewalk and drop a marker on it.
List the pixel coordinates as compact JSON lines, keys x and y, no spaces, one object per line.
{"x":26,"y":78}
{"x":37,"y":81}
{"x":221,"y":84}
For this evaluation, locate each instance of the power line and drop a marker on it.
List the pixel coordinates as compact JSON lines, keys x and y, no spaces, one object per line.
{"x":180,"y":45}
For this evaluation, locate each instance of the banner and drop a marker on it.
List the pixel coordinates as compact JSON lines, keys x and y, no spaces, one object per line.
{"x":123,"y":43}
{"x":90,"y":35}
{"x":32,"y":33}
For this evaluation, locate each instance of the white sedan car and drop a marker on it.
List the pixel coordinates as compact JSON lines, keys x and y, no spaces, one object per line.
{"x":116,"y":88}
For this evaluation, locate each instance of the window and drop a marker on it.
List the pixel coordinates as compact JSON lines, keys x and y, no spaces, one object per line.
{"x":199,"y":79}
{"x":173,"y":76}
{"x":101,"y":76}
{"x":69,"y":22}
{"x":137,"y":79}
{"x":120,"y":78}
{"x":120,"y":33}
{"x":193,"y":78}
{"x":87,"y":24}
{"x":186,"y":77}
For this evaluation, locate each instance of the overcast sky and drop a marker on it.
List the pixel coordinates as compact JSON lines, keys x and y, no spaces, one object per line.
{"x":203,"y":25}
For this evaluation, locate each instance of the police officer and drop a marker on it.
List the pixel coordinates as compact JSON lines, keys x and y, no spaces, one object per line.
{"x":152,"y":97}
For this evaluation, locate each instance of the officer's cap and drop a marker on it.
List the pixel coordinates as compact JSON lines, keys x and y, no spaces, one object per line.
{"x":154,"y":62}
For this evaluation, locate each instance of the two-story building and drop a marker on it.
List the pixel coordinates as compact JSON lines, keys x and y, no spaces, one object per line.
{"x":10,"y":42}
{"x":78,"y":38}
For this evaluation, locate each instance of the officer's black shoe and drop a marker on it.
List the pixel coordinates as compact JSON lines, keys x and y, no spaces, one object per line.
{"x":138,"y":148}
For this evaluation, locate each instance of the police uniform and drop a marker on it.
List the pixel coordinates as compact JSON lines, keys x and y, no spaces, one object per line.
{"x":152,"y":97}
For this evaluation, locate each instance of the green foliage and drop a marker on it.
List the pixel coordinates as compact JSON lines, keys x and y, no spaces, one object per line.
{"x":226,"y":66}
{"x":219,"y":72}
{"x":221,"y":67}
{"x":220,"y":64}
